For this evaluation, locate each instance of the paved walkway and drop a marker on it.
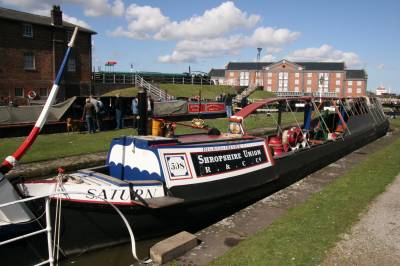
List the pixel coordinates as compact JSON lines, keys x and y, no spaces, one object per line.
{"x":375,"y":239}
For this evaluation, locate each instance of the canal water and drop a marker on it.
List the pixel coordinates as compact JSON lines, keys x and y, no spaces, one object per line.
{"x":120,"y":255}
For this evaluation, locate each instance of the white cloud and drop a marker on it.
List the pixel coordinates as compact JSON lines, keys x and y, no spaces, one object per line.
{"x":325,"y":53}
{"x":191,"y":50}
{"x":91,"y":7}
{"x":268,"y":58}
{"x":76,"y":21}
{"x":149,"y":22}
{"x":213,"y":23}
{"x":267,"y":36}
{"x":274,"y":50}
{"x":380,"y":66}
{"x":143,"y":22}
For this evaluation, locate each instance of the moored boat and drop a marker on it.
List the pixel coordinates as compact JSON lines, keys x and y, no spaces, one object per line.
{"x":164,"y":184}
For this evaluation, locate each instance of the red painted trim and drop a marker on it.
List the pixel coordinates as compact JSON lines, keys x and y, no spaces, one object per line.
{"x":26,"y":144}
{"x":269,"y":152}
{"x":44,"y":181}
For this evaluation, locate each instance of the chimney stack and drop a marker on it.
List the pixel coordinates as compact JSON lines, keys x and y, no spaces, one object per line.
{"x":56,"y":16}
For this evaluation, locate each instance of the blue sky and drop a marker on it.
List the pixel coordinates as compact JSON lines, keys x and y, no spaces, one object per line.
{"x":170,"y":36}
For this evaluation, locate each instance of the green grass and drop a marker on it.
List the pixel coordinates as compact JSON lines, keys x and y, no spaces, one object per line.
{"x":54,"y":146}
{"x":127,"y":92}
{"x":305,"y":233}
{"x":260,"y":94}
{"x":188,"y":90}
{"x":395,"y":122}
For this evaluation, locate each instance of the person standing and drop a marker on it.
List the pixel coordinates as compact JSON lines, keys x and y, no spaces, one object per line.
{"x":119,"y":112}
{"x":100,"y":113}
{"x":135,"y":111}
{"x":228,"y":105}
{"x":88,"y":114}
{"x":95,"y":118}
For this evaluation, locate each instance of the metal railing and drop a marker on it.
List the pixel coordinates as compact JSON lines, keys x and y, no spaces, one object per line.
{"x":154,"y":91}
{"x":47,"y":230}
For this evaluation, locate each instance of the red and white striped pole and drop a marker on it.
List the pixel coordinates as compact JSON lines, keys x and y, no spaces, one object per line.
{"x":12,"y":160}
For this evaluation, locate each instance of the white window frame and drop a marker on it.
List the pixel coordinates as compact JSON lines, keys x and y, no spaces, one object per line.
{"x":337,"y":82}
{"x":324,"y":87}
{"x":27,"y":30}
{"x":43,"y":95}
{"x":269,"y":74}
{"x":269,"y":81}
{"x":269,"y":88}
{"x":283,"y":81}
{"x":296,"y":89}
{"x":29,"y":61}
{"x":244,"y":78}
{"x":350,"y":83}
{"x":337,"y":90}
{"x":231,"y":74}
{"x":309,"y":89}
{"x":338,"y":75}
{"x":71,"y":65}
{"x":309,"y":81}
{"x":359,"y":82}
{"x":358,"y":90}
{"x":296,"y":82}
{"x":309,"y":75}
{"x":22,"y":92}
{"x":297,"y":75}
{"x":349,"y":90}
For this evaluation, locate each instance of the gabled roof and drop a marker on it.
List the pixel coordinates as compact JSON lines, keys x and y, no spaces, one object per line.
{"x":216,"y":72}
{"x":35,"y":19}
{"x":356,"y":74}
{"x":307,"y":65}
{"x":247,"y":65}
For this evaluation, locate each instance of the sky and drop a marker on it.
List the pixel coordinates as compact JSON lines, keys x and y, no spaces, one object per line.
{"x":171,"y":35}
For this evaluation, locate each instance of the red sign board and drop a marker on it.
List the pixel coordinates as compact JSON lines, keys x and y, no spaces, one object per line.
{"x":206,"y":107}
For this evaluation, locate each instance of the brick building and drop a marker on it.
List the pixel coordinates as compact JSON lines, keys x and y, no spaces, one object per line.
{"x":31,"y":50}
{"x":331,"y":78}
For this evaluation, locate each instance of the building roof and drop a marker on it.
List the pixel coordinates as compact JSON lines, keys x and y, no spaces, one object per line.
{"x":35,"y":19}
{"x":356,"y":74}
{"x":247,"y":65}
{"x":322,"y":65}
{"x":307,"y":65}
{"x":216,"y":72}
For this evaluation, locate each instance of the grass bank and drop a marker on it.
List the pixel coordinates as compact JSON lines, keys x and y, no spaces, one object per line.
{"x":305,"y":233}
{"x":188,"y":90}
{"x":60,"y":145}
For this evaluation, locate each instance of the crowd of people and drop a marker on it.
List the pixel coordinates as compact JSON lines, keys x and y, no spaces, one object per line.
{"x":94,"y":111}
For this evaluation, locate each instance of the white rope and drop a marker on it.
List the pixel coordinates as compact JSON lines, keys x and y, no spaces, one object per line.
{"x":131,"y":235}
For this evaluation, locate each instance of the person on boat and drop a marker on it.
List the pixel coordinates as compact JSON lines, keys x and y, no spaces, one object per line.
{"x":89,"y":113}
{"x":150,"y":106}
{"x":228,"y":105}
{"x":135,"y":111}
{"x":119,"y":112}
{"x":243,"y":102}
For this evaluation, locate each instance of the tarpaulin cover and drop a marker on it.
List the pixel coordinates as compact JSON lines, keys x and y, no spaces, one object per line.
{"x":170,"y":108}
{"x":29,"y":114}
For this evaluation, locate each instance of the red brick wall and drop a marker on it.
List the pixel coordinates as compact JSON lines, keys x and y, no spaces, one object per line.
{"x":13,"y":46}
